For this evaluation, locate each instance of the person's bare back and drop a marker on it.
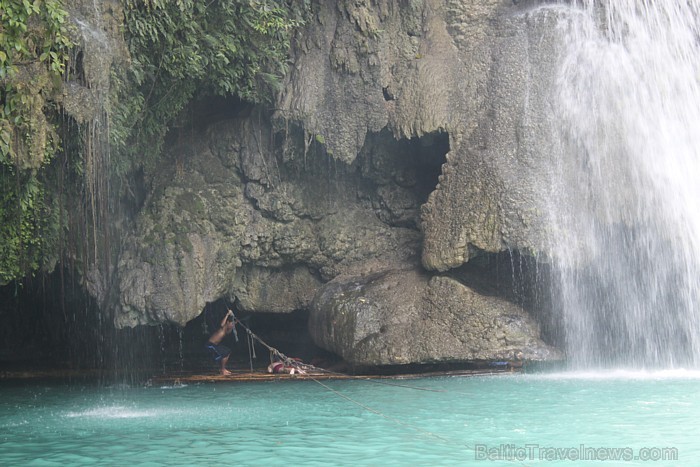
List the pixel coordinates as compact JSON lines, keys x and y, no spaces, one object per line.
{"x":220,"y":352}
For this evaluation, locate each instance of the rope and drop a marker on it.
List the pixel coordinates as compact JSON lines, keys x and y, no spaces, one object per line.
{"x":304,"y":366}
{"x":376,"y":381}
{"x":273,"y":351}
{"x":288,"y":361}
{"x":307,"y":367}
{"x":374,"y":411}
{"x":250,"y":355}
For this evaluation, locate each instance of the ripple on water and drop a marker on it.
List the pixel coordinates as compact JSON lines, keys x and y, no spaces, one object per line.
{"x":301,"y":425}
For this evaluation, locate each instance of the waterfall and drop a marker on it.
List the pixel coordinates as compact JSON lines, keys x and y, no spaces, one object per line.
{"x":625,"y":204}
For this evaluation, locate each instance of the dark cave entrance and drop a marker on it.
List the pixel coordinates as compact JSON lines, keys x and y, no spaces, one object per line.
{"x":426,"y":155}
{"x":520,"y":278}
{"x":286,"y":332}
{"x":69,"y":338}
{"x":53,"y":329}
{"x":401,"y":174}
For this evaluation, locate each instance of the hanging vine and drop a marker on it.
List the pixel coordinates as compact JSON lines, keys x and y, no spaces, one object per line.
{"x":34,"y":43}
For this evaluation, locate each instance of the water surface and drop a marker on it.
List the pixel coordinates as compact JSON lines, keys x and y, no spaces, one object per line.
{"x":493,"y":420}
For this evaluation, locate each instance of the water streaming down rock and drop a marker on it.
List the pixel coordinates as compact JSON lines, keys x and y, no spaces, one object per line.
{"x":626,"y":214}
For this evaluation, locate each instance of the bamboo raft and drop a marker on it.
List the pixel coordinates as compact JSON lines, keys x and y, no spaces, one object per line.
{"x":310,"y":372}
{"x":261,"y":376}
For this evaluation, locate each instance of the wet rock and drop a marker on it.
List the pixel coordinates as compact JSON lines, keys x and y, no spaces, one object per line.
{"x":402,"y":316}
{"x":213,"y":232}
{"x":478,"y":71}
{"x":335,"y":190}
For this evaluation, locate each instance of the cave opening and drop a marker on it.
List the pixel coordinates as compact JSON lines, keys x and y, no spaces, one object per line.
{"x":401,"y":173}
{"x":286,"y":332}
{"x":428,"y":153}
{"x":520,"y":278}
{"x":53,"y":329}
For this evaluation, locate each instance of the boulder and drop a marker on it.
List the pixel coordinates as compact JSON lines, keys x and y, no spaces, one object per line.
{"x":402,"y":316}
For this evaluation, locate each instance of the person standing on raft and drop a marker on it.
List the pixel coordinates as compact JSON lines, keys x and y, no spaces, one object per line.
{"x":218,"y":351}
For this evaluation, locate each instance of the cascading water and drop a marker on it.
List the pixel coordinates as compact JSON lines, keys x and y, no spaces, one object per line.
{"x":626,"y":205}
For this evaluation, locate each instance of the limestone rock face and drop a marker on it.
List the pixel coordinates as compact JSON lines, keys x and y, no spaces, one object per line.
{"x":479,"y":71}
{"x":406,"y":132}
{"x":404,"y":316}
{"x":230,"y":221}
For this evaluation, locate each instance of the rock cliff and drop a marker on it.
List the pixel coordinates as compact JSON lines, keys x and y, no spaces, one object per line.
{"x":408,"y":141}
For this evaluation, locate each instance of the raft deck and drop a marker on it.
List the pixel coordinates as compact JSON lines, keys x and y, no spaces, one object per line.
{"x":257,"y":376}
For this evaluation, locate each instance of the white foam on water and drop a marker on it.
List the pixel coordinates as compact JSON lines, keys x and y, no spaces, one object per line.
{"x":118,"y":412}
{"x":642,"y":375}
{"x":174,"y":386}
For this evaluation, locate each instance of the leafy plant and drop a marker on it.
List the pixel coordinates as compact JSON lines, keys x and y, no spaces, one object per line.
{"x":181,"y":50}
{"x":34,"y":46}
{"x":28,"y":226}
{"x":34,"y":43}
{"x":185,"y":49}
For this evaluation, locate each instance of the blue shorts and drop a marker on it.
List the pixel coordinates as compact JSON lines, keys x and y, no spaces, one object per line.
{"x":217,"y":352}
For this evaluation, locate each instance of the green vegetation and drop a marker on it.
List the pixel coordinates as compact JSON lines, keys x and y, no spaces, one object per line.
{"x":185,"y":49}
{"x":34,"y":43}
{"x":26,"y":237}
{"x":180,"y":51}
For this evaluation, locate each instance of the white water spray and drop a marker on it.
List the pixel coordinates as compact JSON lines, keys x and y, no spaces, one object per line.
{"x":625,"y":211}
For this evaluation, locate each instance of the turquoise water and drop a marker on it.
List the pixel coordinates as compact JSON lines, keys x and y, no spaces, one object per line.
{"x":490,"y":420}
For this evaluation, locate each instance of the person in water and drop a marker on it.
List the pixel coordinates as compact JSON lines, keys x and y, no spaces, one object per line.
{"x":218,"y":351}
